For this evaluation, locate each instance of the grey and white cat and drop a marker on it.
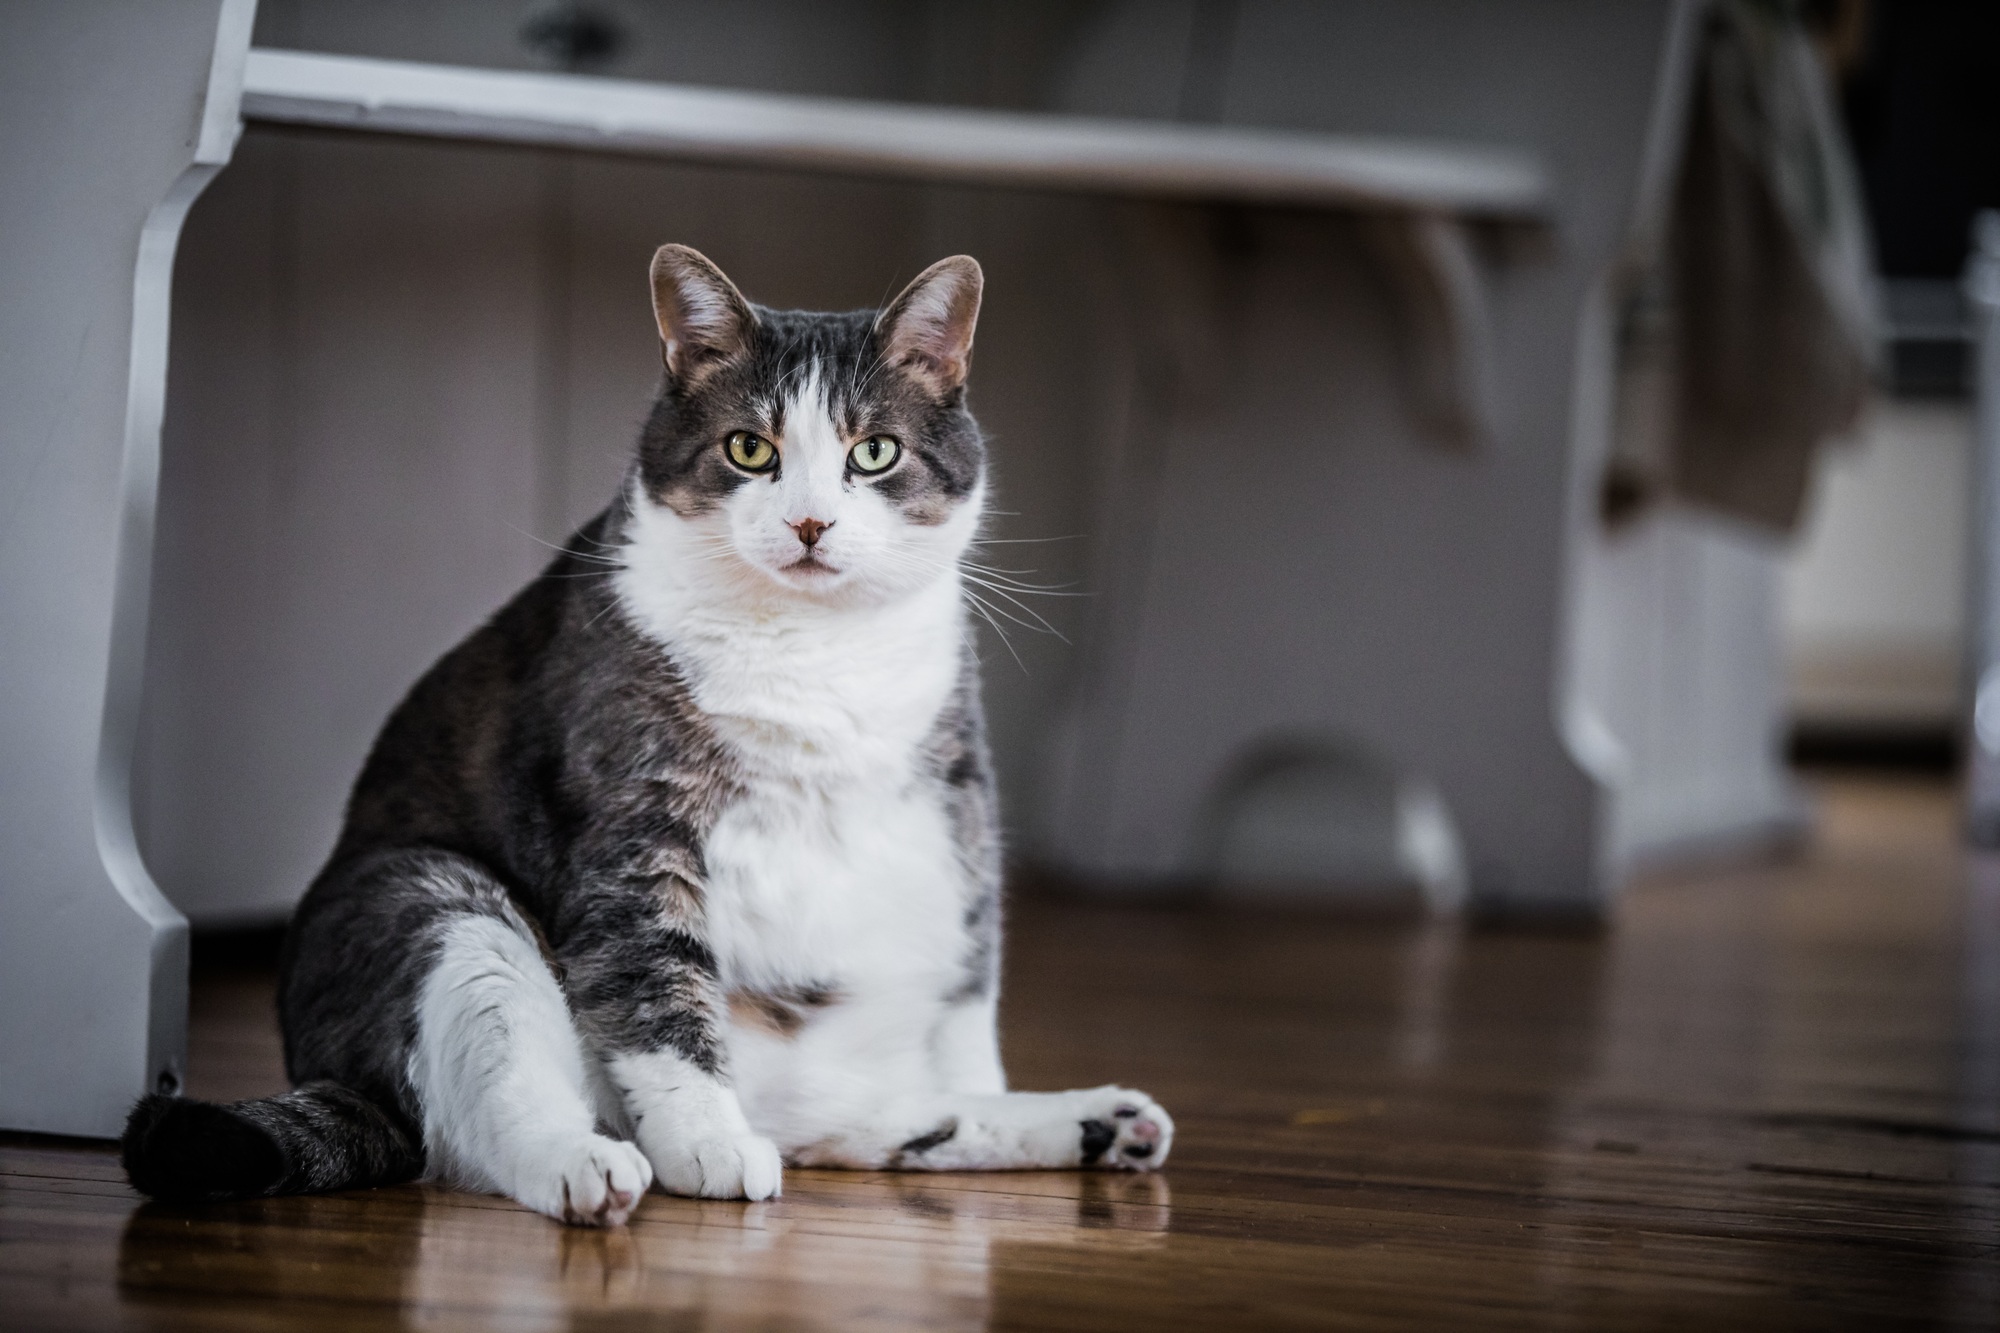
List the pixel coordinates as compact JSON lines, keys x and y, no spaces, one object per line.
{"x":685,"y":865}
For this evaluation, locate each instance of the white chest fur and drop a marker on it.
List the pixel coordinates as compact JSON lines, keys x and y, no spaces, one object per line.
{"x":861,"y":892}
{"x":837,"y":866}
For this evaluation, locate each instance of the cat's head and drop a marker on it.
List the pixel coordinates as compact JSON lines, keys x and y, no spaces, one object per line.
{"x":824,"y":457}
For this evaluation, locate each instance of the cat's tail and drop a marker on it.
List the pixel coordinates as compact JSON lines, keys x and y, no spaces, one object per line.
{"x":318,"y":1137}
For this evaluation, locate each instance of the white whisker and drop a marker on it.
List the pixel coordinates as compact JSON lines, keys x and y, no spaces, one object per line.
{"x":1039,"y":621}
{"x":564,"y":549}
{"x":1025,"y":541}
{"x":1036,"y":622}
{"x":987,"y":615}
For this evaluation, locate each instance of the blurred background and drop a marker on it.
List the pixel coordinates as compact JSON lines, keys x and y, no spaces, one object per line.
{"x":1446,"y":456}
{"x":1876,"y":588}
{"x":1332,"y":642}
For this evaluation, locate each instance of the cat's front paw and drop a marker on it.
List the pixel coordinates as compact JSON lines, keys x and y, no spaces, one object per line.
{"x":740,"y":1166}
{"x":592,"y":1182}
{"x":1126,"y":1131}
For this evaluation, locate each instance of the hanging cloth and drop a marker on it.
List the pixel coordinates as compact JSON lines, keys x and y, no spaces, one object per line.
{"x":1775,"y":301}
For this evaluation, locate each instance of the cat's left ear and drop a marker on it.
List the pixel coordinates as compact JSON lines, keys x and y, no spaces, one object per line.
{"x":702,"y":317}
{"x":928,"y":329}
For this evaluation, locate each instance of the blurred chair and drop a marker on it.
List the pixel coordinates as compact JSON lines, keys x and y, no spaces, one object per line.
{"x":117,"y":116}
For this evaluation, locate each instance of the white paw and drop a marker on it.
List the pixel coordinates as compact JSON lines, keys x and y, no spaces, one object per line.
{"x":692,"y":1129}
{"x":740,"y":1166}
{"x":1124,"y":1130}
{"x":592,"y":1182}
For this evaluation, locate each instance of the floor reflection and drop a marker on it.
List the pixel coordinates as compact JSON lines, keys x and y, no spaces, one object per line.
{"x":305,"y":1252}
{"x":1816,"y":1052}
{"x":1764,"y":1096}
{"x":438,"y":1257}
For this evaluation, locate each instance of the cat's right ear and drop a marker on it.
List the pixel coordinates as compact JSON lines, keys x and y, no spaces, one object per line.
{"x":703,"y":319}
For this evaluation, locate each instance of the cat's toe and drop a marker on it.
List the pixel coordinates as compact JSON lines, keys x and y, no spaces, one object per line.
{"x":1130,"y":1132}
{"x":763,"y":1169}
{"x":739,"y":1167}
{"x":594,"y":1183}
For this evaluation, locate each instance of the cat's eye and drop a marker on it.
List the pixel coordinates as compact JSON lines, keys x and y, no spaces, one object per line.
{"x":877,"y":453}
{"x":752,"y":453}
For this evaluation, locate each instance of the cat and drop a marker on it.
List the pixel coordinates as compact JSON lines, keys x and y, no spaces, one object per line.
{"x":685,"y":865}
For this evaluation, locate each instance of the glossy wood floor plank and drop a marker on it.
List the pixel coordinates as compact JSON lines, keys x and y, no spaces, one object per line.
{"x":1767,"y":1098}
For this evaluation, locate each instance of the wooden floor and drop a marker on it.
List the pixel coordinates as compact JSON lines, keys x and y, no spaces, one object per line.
{"x":1765,"y":1098}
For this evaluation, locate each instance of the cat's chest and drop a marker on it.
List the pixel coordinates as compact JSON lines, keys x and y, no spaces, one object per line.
{"x":837,"y":702}
{"x":855,"y":890}
{"x":836,"y":865}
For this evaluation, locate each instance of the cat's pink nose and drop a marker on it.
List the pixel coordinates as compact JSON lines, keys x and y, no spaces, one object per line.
{"x":809,"y":530}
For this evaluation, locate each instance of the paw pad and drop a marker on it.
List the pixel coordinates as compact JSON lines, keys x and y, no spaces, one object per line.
{"x":1133,"y":1133}
{"x":1097,"y":1140}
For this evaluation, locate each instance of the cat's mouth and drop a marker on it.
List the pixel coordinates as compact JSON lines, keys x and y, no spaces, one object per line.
{"x":810,"y":566}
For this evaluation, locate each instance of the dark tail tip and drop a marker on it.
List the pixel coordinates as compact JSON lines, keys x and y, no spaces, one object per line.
{"x":183,"y":1151}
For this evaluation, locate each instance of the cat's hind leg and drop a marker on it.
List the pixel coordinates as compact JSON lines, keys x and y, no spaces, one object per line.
{"x":503,"y":1080}
{"x":1109,"y":1127}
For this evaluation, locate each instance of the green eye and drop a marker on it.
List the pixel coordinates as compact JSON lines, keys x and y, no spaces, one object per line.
{"x":752,"y":453}
{"x":874,"y":454}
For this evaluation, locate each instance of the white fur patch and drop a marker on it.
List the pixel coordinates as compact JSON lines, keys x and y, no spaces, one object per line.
{"x":502,"y":1080}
